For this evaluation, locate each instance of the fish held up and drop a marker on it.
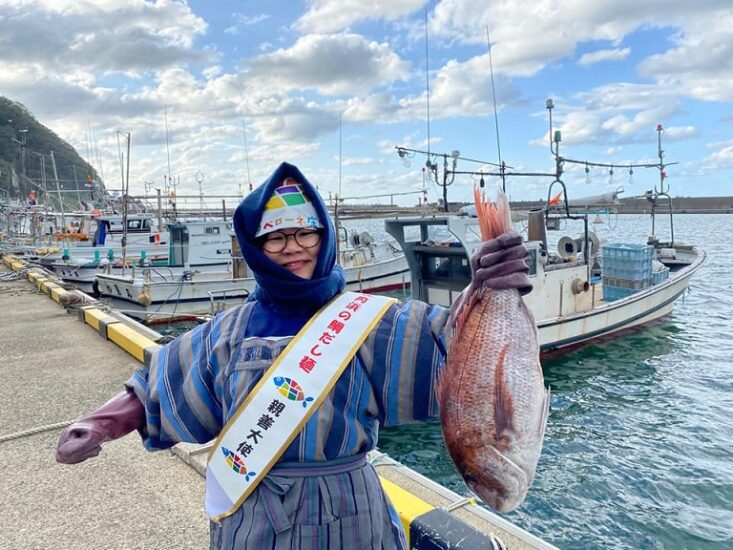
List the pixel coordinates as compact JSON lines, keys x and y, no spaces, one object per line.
{"x":493,"y":401}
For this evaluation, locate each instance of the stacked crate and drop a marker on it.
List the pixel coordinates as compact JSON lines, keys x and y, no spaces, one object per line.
{"x":660,"y":276}
{"x":627,"y":269}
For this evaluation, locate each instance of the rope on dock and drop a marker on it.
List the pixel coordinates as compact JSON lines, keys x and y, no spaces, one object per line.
{"x":34,"y":431}
{"x":13,"y":275}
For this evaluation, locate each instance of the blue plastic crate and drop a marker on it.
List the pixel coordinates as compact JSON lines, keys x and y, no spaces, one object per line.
{"x":660,"y":276}
{"x":611,"y":293}
{"x":631,"y":262}
{"x":633,"y":284}
{"x":628,"y":251}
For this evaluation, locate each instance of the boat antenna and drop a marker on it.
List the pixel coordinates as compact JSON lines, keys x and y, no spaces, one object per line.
{"x":340,"y":158}
{"x":246,"y":159}
{"x":496,"y":115}
{"x":427,"y":81}
{"x":336,"y":221}
{"x":125,"y":174}
{"x":167,"y":145}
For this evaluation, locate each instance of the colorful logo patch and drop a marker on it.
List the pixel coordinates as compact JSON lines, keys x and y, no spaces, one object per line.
{"x":235,"y":462}
{"x":288,"y":194}
{"x":288,"y":207}
{"x":291,"y":390}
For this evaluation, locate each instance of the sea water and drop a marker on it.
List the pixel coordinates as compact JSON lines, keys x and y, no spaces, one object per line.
{"x":638,"y":451}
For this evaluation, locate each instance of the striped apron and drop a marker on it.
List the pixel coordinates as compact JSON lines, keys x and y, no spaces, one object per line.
{"x":314,"y":505}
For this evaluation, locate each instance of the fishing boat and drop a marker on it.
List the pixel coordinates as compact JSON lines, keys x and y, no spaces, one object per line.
{"x":586,"y":289}
{"x":154,"y":294}
{"x":100,"y":239}
{"x":573,"y":299}
{"x":186,"y":246}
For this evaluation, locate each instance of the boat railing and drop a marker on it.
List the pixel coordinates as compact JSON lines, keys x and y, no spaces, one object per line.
{"x":219,"y":305}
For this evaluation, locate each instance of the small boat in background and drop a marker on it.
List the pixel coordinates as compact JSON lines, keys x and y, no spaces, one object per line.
{"x":161,"y":294}
{"x":189,"y":245}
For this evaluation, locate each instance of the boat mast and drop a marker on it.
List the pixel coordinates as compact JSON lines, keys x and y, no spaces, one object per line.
{"x":662,"y":191}
{"x":61,"y":201}
{"x":246,"y":159}
{"x":125,"y":190}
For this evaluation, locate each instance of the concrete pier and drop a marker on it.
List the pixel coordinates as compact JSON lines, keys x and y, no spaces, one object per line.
{"x":55,"y":369}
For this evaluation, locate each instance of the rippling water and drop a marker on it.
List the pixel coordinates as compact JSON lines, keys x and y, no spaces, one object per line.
{"x":638,"y":451}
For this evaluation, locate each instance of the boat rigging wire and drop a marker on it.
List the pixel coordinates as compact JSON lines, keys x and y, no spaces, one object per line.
{"x":427,"y":81}
{"x":246,"y":158}
{"x":496,"y":115}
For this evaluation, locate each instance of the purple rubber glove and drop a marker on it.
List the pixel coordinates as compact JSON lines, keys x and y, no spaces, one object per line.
{"x":117,"y":417}
{"x":499,"y":264}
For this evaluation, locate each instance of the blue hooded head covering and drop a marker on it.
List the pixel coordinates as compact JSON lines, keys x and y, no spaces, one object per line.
{"x":276,"y":286}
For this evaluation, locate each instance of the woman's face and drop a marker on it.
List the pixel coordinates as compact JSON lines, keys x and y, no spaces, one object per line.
{"x":293,"y":249}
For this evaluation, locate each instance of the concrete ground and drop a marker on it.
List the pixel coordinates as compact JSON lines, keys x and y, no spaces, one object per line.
{"x":55,"y":369}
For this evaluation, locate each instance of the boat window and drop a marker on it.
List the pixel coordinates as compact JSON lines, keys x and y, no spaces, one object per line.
{"x":532,"y":261}
{"x":441,"y":267}
{"x":212,"y":230}
{"x":133,"y":224}
{"x":412,"y":233}
{"x":146,"y":224}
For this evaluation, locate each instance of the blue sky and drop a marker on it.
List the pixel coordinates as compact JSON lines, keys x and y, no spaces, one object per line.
{"x":282,"y":74}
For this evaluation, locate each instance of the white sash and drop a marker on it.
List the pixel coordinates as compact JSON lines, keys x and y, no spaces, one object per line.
{"x":286,"y":397}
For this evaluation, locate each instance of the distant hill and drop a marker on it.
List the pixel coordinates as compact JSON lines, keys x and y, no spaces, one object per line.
{"x":23,"y":140}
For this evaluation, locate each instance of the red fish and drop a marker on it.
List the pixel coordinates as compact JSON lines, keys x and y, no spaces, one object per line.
{"x":493,"y":402}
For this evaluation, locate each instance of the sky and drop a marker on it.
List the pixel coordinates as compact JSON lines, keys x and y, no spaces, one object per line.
{"x":214,"y":95}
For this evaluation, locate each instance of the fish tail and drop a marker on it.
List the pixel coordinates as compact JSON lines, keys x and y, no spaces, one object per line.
{"x":494,"y":218}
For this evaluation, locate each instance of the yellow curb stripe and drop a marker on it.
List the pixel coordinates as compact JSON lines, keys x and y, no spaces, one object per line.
{"x":93,"y":316}
{"x":129,"y":339}
{"x":408,"y":506}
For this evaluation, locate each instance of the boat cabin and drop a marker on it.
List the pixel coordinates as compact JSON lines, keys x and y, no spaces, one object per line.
{"x":196,"y":243}
{"x":438,"y":249}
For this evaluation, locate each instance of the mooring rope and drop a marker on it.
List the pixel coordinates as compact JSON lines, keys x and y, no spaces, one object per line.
{"x":14,"y":275}
{"x":34,"y":431}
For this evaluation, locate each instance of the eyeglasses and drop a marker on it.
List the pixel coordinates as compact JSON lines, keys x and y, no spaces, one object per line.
{"x":277,"y":241}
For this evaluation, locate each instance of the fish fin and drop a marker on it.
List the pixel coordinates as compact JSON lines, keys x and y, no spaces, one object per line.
{"x":503,"y":405}
{"x":494,"y":218}
{"x":469,"y":299}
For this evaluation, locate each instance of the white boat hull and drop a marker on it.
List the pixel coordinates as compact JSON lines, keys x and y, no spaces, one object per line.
{"x":567,"y":303}
{"x":608,"y":318}
{"x":208,"y":293}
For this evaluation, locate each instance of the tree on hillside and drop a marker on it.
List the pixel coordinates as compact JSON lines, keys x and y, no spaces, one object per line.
{"x":26,"y":146}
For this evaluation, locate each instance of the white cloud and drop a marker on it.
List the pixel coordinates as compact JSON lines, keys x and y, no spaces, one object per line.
{"x":101,"y":36}
{"x":244,"y":20}
{"x":719,"y":160}
{"x":325,"y":16}
{"x":616,"y":54}
{"x":330,"y":64}
{"x":680,"y":133}
{"x":701,"y":63}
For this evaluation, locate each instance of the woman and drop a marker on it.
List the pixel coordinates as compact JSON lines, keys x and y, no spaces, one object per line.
{"x":321,"y":492}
